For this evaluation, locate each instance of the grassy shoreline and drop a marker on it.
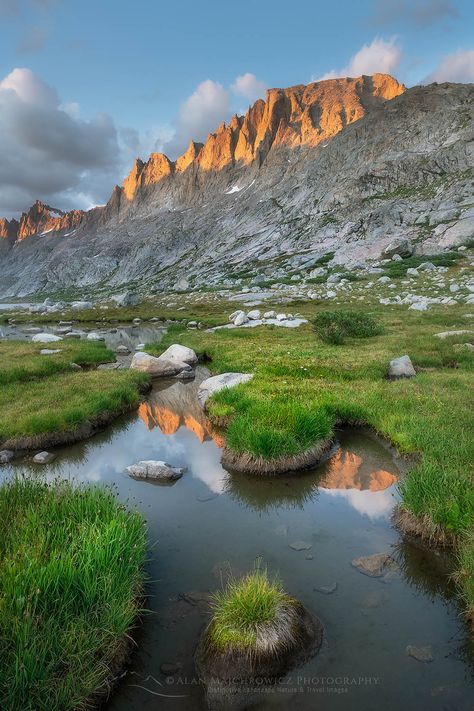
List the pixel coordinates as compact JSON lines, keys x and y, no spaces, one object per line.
{"x":71,"y":582}
{"x":44,"y":402}
{"x":302,"y":382}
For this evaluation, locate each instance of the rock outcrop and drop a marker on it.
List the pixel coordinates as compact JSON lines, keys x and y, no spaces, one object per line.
{"x":42,"y":219}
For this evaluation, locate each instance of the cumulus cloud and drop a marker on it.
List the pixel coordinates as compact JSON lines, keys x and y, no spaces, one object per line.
{"x":48,"y":153}
{"x":417,"y":12}
{"x":379,"y":56}
{"x":201,"y":113}
{"x":248,"y":86}
{"x":458,"y":67}
{"x":207,"y":107}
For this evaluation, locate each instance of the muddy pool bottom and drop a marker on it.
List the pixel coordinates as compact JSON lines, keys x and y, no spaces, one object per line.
{"x":308,"y":528}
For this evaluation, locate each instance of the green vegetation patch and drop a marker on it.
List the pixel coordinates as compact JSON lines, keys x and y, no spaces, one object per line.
{"x":242,"y":607}
{"x":71,"y":578}
{"x":399,"y":269}
{"x":21,"y":361}
{"x":42,"y":394}
{"x":335,"y":326}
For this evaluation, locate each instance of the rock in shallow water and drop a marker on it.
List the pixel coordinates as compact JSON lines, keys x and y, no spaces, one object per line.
{"x":160,"y":367}
{"x":376,"y":566}
{"x":44,"y":457}
{"x":300,"y":546}
{"x":156,"y":470}
{"x":421,"y":654}
{"x":6,"y":455}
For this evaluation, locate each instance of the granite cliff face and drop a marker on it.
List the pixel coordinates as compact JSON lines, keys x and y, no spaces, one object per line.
{"x":297,"y":116}
{"x":343,"y":166}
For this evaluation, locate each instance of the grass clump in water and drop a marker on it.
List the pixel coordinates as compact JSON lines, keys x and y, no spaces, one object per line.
{"x":243,"y":607}
{"x":274,"y":427}
{"x":71,"y":578}
{"x":334,"y":326}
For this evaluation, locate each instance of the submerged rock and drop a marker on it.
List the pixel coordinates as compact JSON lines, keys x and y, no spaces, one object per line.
{"x":44,"y":457}
{"x":401,"y":368}
{"x":300,"y":546}
{"x":421,"y":654}
{"x":156,"y":470}
{"x":219,"y":382}
{"x":327,"y":589}
{"x":376,"y":566}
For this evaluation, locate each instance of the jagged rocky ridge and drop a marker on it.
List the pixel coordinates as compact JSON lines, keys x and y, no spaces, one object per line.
{"x":344,"y":166}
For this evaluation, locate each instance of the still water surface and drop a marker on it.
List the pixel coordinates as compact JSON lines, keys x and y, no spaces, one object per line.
{"x":212,"y":520}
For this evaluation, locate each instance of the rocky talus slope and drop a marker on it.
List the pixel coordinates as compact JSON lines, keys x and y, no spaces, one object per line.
{"x":345,"y":168}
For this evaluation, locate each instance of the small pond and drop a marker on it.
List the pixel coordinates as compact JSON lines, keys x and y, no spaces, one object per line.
{"x":306,"y":527}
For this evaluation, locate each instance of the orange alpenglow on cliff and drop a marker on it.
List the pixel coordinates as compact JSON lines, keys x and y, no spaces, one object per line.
{"x":298,"y":116}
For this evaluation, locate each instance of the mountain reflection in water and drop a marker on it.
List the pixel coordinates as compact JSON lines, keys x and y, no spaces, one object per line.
{"x":346,"y":473}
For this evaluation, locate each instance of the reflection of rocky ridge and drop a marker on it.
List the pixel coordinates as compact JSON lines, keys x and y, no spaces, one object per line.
{"x":344,"y":472}
{"x":174,"y":407}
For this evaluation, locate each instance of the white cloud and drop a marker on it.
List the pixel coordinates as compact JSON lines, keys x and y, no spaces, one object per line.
{"x":457,"y":67}
{"x":248,"y":86}
{"x":380,"y":55}
{"x":48,"y":153}
{"x":200,"y":114}
{"x":30,"y":88}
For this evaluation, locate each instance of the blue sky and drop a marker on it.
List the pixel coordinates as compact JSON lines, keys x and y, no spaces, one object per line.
{"x":139,"y":63}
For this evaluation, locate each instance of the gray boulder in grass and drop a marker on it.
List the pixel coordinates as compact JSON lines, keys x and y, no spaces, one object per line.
{"x":401,"y":368}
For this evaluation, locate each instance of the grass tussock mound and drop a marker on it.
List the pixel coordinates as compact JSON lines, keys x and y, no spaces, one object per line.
{"x":246,"y":613}
{"x":257,"y":631}
{"x":70,"y":583}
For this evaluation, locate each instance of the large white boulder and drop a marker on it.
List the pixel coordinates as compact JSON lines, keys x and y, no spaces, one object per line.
{"x":240,"y":319}
{"x":180,"y":354}
{"x":159,"y":367}
{"x":254,"y":315}
{"x":45,"y":338}
{"x":219,"y":382}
